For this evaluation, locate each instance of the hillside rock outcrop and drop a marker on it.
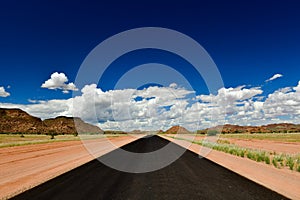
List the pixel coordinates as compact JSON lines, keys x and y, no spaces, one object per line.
{"x":177,"y":130}
{"x":18,"y":121}
{"x":270,"y":128}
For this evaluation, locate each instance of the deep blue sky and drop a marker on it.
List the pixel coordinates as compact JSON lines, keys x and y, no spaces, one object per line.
{"x":249,"y":40}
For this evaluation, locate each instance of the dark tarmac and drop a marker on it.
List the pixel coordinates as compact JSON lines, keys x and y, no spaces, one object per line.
{"x":189,"y":177}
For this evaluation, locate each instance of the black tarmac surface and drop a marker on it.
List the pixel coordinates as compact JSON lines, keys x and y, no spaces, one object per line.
{"x":189,"y":177}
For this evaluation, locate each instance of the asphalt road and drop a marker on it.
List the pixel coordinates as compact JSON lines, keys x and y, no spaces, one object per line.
{"x":187,"y":178}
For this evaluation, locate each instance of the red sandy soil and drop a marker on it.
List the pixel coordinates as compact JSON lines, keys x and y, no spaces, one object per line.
{"x":283,"y":181}
{"x":267,"y":145}
{"x":24,"y":167}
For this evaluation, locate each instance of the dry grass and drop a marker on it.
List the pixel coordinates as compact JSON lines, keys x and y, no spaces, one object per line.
{"x":281,"y":137}
{"x":10,"y":140}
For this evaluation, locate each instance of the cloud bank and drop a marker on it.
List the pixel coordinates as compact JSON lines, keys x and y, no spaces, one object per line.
{"x":155,"y":108}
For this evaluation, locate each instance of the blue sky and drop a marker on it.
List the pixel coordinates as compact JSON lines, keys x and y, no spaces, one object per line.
{"x":249,"y":41}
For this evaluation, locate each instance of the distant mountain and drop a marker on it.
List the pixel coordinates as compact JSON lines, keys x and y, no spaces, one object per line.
{"x":177,"y":130}
{"x":18,"y":121}
{"x":270,"y":128}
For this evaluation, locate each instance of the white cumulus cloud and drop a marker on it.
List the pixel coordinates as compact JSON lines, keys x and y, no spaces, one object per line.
{"x":59,"y":81}
{"x":173,"y":85}
{"x":275,"y":76}
{"x":283,"y":102}
{"x":231,"y":95}
{"x":155,"y":108}
{"x":3,"y":93}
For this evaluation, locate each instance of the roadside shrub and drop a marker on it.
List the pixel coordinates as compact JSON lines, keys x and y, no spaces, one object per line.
{"x":223,"y":142}
{"x":212,"y":132}
{"x":259,"y":157}
{"x":52,"y":135}
{"x":279,"y":159}
{"x":242,"y":153}
{"x":290,"y":163}
{"x":274,"y":162}
{"x":250,"y":155}
{"x":267,"y":160}
{"x":200,"y":132}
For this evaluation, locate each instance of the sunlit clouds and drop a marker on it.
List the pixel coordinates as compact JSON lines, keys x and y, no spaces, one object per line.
{"x":59,"y":81}
{"x":155,"y":108}
{"x":3,"y":93}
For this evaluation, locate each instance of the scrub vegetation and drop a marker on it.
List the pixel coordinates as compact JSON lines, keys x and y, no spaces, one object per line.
{"x":271,"y":158}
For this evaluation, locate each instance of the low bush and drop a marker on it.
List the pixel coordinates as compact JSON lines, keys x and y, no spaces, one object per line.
{"x":223,"y":142}
{"x":274,"y":162}
{"x":267,"y":160}
{"x":290,"y":162}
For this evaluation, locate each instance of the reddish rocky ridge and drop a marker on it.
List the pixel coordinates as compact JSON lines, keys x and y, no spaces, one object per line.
{"x":177,"y":130}
{"x":18,"y":121}
{"x":270,"y":128}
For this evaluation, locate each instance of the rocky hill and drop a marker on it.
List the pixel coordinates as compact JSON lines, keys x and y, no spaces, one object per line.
{"x":69,"y":125}
{"x":18,"y":121}
{"x":177,"y":130}
{"x":270,"y":128}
